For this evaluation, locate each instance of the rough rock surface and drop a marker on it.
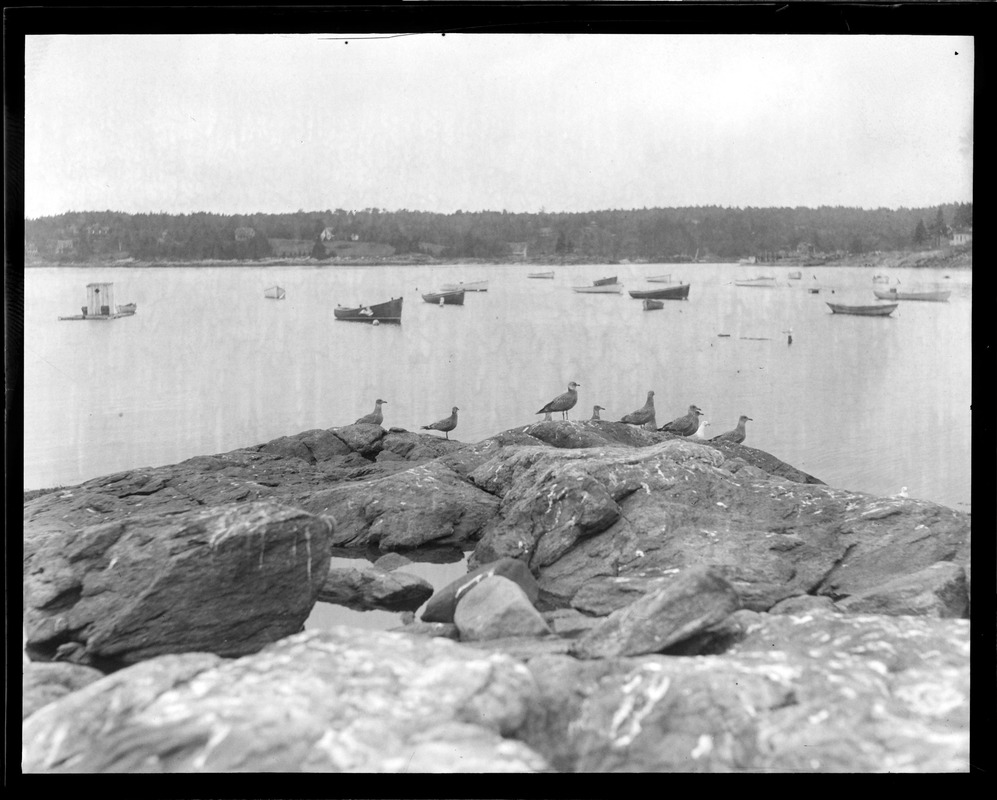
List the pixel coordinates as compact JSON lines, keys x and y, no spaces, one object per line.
{"x":443,"y":604}
{"x":938,"y":591}
{"x":366,"y":588}
{"x":45,"y":683}
{"x":339,"y":701}
{"x":227,"y":580}
{"x":496,"y":608}
{"x":693,"y":601}
{"x":819,"y":693}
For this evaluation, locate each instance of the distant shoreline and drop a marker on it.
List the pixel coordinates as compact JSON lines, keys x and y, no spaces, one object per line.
{"x":950,"y":258}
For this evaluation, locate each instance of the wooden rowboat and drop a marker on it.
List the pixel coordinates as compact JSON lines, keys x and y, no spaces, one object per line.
{"x":795,"y":276}
{"x":651,"y":305}
{"x":863,"y":311}
{"x":761,"y":281}
{"x":660,"y":278}
{"x":445,"y":298}
{"x":540,"y":275}
{"x":471,"y":286}
{"x":610,"y":288}
{"x":893,"y":294}
{"x":680,"y":292}
{"x":391,"y":311}
{"x":274,"y":293}
{"x":604,"y":281}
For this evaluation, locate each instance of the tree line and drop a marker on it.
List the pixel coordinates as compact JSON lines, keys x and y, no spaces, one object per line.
{"x":656,"y":234}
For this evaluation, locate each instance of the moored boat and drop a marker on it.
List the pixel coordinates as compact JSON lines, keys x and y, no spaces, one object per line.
{"x":680,"y":292}
{"x":863,"y":311}
{"x":445,"y":298}
{"x":795,"y":276}
{"x":127,"y":309}
{"x":274,"y":293}
{"x":604,"y":281}
{"x":651,"y":305}
{"x":660,"y":278}
{"x":100,"y":304}
{"x":470,"y":286}
{"x":880,"y":278}
{"x":391,"y":311}
{"x":540,"y":275}
{"x":760,"y":281}
{"x":609,"y":288}
{"x":893,"y":294}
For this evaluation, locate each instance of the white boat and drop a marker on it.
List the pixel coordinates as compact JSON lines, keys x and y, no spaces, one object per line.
{"x":795,"y":276}
{"x":540,"y":275}
{"x":607,"y":288}
{"x":274,"y":293}
{"x":660,"y":278}
{"x":761,"y":281}
{"x":748,"y":260}
{"x":470,"y":286}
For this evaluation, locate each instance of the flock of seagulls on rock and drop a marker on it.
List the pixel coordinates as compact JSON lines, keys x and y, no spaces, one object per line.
{"x":689,"y":425}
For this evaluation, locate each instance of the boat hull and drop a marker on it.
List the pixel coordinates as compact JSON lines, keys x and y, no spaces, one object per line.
{"x":660,"y":279}
{"x":445,"y":298}
{"x":473,"y":286}
{"x":934,"y":297}
{"x":651,"y":305}
{"x":606,"y":289}
{"x":863,"y":311}
{"x":274,"y":293}
{"x":680,"y":292}
{"x":390,"y":311}
{"x":604,"y":281}
{"x":761,"y":283}
{"x":546,"y":275}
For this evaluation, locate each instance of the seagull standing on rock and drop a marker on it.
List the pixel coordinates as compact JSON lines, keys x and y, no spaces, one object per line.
{"x":736,"y":436}
{"x":701,"y":431}
{"x":445,"y":425}
{"x":684,"y":426}
{"x":643,"y":415}
{"x":595,"y":412}
{"x":563,"y":402}
{"x":375,"y":417}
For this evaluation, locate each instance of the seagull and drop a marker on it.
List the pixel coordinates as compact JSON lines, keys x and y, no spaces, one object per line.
{"x":563,"y":402}
{"x":642,"y":415}
{"x":595,"y":411}
{"x":701,"y":431}
{"x":446,"y":425}
{"x":684,"y":426}
{"x":736,"y":436}
{"x":903,"y":493}
{"x":373,"y":418}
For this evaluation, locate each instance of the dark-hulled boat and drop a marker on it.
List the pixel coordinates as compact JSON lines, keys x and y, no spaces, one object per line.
{"x":604,"y":281}
{"x":680,"y":292}
{"x":390,"y":311}
{"x":864,"y":311}
{"x":445,"y":298}
{"x":651,"y":305}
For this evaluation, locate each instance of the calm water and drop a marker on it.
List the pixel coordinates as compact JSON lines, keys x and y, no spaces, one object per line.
{"x":208,"y":365}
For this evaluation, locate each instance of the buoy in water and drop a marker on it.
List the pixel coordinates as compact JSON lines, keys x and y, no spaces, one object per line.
{"x":376,"y":322}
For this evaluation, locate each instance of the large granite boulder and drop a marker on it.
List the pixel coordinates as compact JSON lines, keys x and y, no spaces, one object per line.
{"x":495,"y":608}
{"x":228,"y":579}
{"x":424,"y":505}
{"x":819,"y":693}
{"x":345,"y":700}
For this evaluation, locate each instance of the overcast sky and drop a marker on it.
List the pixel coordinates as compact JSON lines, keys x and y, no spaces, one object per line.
{"x":246,"y":123}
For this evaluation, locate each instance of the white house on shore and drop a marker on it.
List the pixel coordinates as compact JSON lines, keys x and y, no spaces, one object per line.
{"x":962,"y":236}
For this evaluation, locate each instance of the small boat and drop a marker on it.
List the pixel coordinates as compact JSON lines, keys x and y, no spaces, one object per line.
{"x":604,"y":281}
{"x":680,"y":292}
{"x":863,"y":311}
{"x":470,"y":286}
{"x":391,"y":311}
{"x":274,"y":293}
{"x":814,"y":290}
{"x":880,"y":278}
{"x":609,"y":288}
{"x":795,"y":276}
{"x":660,"y":278}
{"x":100,"y":302}
{"x":651,"y":305}
{"x":445,"y":298}
{"x":761,"y":281}
{"x":748,"y":260}
{"x":893,"y":294}
{"x":540,"y":275}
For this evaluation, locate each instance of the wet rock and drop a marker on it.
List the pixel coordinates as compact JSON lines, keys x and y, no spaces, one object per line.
{"x":495,"y":608}
{"x":45,"y":683}
{"x":442,"y":605}
{"x":344,"y":700}
{"x":802,"y":604}
{"x":423,"y":505}
{"x":569,"y":623}
{"x":443,"y":630}
{"x":601,"y":596}
{"x":227,"y":580}
{"x":691,"y":602}
{"x":935,"y":591}
{"x":391,"y":561}
{"x":367,"y":588}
